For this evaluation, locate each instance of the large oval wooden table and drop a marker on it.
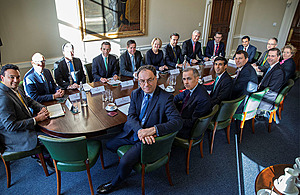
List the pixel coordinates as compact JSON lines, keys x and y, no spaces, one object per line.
{"x":93,"y":120}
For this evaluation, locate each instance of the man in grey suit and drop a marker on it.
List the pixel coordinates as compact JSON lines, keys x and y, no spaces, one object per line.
{"x":17,"y":126}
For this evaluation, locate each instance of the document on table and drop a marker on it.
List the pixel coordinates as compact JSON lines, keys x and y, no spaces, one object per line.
{"x":124,"y":108}
{"x":86,"y":87}
{"x":55,"y":111}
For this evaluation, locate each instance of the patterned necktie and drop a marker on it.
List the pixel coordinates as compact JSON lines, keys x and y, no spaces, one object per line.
{"x":245,"y":48}
{"x":72,"y":71}
{"x":144,"y":107}
{"x":132,"y":63}
{"x":21,"y":99}
{"x":217,"y":49}
{"x":105,"y":63}
{"x":186,"y":99}
{"x":71,"y":67}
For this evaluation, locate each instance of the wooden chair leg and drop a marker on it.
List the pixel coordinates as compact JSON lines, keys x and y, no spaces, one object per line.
{"x":270,"y":122}
{"x":253,"y":128}
{"x":168,"y":171}
{"x":143,"y":179}
{"x":101,"y":158}
{"x":7,"y":169}
{"x":89,"y":176}
{"x":188,"y":157}
{"x":241,"y":135}
{"x":201,"y":148}
{"x":213,"y":137}
{"x":41,"y":157}
{"x":58,"y":177}
{"x":228,"y":134}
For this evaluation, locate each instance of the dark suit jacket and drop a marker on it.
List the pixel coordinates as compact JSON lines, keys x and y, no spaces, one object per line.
{"x":125,"y":63}
{"x":251,"y":51}
{"x":17,"y":126}
{"x":210,"y":49}
{"x":187,"y":49}
{"x":157,"y":60}
{"x":170,"y":59}
{"x":99,"y":70}
{"x":241,"y":83}
{"x":36,"y":88}
{"x":289,"y":68}
{"x":222,"y":90}
{"x":266,"y":65}
{"x":161,"y":112}
{"x":198,"y":105}
{"x":61,"y":72}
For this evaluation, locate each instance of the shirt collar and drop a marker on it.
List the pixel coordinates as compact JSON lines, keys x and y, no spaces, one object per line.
{"x":192,"y":90}
{"x":273,"y":65}
{"x":151,"y":94}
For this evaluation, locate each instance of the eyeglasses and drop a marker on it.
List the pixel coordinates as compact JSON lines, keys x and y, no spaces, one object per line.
{"x":148,"y":81}
{"x":40,"y":63}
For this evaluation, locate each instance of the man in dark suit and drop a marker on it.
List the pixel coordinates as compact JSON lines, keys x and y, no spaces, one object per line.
{"x":130,"y":60}
{"x":39,"y":83}
{"x":273,"y":78}
{"x":215,"y":47}
{"x":221,"y":89}
{"x":192,"y":49}
{"x":172,"y":52}
{"x":193,"y":103}
{"x":68,"y":71}
{"x":246,"y":46}
{"x":151,"y":113}
{"x":105,"y":66}
{"x":17,"y":126}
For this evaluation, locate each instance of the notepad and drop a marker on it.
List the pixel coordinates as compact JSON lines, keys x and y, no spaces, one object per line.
{"x":55,"y":111}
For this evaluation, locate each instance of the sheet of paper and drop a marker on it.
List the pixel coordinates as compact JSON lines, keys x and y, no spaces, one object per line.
{"x":122,"y":100}
{"x":55,"y":110}
{"x":97,"y":90}
{"x":124,"y":108}
{"x":162,"y":86}
{"x":86,"y":87}
{"x":68,"y":104}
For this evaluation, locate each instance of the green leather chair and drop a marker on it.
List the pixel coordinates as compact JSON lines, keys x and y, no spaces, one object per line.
{"x":152,"y":156}
{"x":250,"y":109}
{"x":196,"y":136}
{"x":223,"y":118}
{"x":290,"y":83}
{"x":10,"y":156}
{"x":72,"y":155}
{"x":88,"y":69}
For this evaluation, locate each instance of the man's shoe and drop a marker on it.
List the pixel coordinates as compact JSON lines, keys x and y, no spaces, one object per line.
{"x":105,"y":188}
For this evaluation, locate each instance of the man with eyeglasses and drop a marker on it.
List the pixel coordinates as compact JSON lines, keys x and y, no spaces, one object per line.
{"x":39,"y":83}
{"x":151,"y":113}
{"x":215,"y":47}
{"x":193,"y":103}
{"x":247,"y":47}
{"x":262,"y":64}
{"x":68,"y":71}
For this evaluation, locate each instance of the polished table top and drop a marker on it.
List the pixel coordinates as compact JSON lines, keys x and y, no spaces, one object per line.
{"x":93,"y":120}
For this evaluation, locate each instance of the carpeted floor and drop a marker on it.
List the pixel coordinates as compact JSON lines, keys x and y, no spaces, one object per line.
{"x":222,"y":172}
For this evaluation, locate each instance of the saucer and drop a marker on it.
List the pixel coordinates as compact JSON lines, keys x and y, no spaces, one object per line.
{"x":281,"y":190}
{"x":266,"y":192}
{"x":114,"y":82}
{"x":109,"y":109}
{"x":170,"y":90}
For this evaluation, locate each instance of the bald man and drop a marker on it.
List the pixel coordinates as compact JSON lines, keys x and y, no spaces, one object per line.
{"x":39,"y":83}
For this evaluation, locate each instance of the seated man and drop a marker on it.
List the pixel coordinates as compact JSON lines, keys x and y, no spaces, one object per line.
{"x":272,"y":78}
{"x":130,"y":60}
{"x":104,"y":66}
{"x":151,"y":113}
{"x":172,"y":52}
{"x":262,"y":64}
{"x":68,"y":71}
{"x":215,"y":47}
{"x":246,"y":46}
{"x":193,"y":103}
{"x":17,"y":126}
{"x":39,"y":83}
{"x":221,"y":89}
{"x":192,"y":49}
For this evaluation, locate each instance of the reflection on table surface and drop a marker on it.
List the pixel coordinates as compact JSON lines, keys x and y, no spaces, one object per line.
{"x":93,"y":120}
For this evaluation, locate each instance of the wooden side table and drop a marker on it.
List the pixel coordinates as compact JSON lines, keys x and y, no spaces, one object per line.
{"x":266,"y":177}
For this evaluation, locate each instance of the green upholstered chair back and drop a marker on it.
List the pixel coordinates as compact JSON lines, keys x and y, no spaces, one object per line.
{"x":253,"y":103}
{"x":286,"y":88}
{"x":161,"y":147}
{"x":228,"y":108}
{"x":88,"y":69}
{"x":202,"y":123}
{"x":66,"y":150}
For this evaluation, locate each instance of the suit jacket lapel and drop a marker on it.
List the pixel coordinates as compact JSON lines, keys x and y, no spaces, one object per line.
{"x":14,"y":97}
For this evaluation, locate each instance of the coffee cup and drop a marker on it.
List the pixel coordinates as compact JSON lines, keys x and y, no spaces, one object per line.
{"x":111,"y":105}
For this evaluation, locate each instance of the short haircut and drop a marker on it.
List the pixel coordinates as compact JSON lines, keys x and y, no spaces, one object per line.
{"x":242,"y":52}
{"x":275,"y":49}
{"x":275,"y":39}
{"x":195,"y":71}
{"x":174,"y":34}
{"x":291,"y":47}
{"x":246,"y":37}
{"x":105,"y":43}
{"x":8,"y":66}
{"x":66,"y":44}
{"x":218,"y":33}
{"x":156,"y":39}
{"x":221,"y":58}
{"x":146,"y":67}
{"x":196,"y":31}
{"x":129,"y":42}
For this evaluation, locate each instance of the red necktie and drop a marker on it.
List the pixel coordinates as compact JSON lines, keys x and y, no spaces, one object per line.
{"x":186,"y":99}
{"x":194,"y":47}
{"x":245,"y":48}
{"x":217,"y":49}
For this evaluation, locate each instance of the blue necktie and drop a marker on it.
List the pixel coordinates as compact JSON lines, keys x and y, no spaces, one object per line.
{"x":268,"y":70}
{"x":132,"y":63}
{"x":46,"y":83}
{"x":216,"y":82}
{"x":144,"y":107}
{"x":72,"y":70}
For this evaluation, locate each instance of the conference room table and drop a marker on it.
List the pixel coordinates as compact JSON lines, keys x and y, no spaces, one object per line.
{"x":93,"y":120}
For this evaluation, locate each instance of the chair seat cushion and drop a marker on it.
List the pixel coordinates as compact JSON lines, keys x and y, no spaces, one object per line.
{"x":9,"y":156}
{"x":221,"y":125}
{"x":93,"y":148}
{"x":181,"y":142}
